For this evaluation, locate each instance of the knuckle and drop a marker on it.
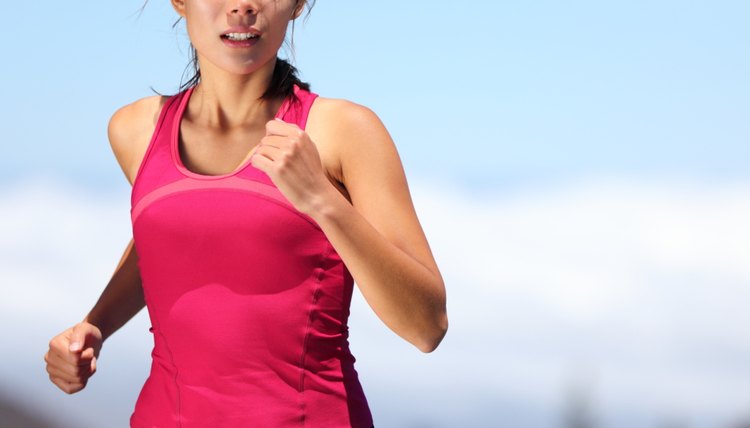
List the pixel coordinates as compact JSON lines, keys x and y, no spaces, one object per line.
{"x":284,"y":160}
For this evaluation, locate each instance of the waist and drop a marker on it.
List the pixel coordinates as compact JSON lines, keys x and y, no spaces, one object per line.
{"x":251,"y":391}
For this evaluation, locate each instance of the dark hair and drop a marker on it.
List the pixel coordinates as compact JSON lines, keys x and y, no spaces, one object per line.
{"x":284,"y":76}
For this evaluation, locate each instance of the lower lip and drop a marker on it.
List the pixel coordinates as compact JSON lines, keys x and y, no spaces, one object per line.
{"x":240,"y":43}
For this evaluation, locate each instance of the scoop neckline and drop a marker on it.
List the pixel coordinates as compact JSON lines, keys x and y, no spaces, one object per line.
{"x":175,"y":141}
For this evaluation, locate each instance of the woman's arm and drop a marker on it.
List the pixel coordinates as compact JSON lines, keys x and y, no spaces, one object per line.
{"x":129,"y":133}
{"x":378,"y":234}
{"x":72,"y":354}
{"x":122,"y":299}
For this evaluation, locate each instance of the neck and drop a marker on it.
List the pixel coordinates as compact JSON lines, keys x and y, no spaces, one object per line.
{"x":224,"y":100}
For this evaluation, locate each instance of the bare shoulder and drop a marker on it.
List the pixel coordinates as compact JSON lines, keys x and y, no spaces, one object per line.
{"x":339,"y":117}
{"x":348,"y":130}
{"x":350,"y":138}
{"x":130,"y":130}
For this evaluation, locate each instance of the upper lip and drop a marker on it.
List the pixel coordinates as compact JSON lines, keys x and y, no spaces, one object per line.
{"x":243,"y":30}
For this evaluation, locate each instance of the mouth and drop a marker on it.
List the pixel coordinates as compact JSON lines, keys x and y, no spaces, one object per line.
{"x":239,"y":37}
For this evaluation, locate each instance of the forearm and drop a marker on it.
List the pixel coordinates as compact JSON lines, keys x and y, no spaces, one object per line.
{"x":122,"y":298}
{"x":407,"y":296}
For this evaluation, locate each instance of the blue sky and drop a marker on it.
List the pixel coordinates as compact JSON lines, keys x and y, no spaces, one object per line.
{"x":580,"y":168}
{"x":486,"y":93}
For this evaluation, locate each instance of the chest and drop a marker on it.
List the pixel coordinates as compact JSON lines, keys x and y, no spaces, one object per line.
{"x":210,"y":152}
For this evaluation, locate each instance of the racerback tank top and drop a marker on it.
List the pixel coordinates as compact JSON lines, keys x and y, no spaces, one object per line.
{"x":247,"y":298}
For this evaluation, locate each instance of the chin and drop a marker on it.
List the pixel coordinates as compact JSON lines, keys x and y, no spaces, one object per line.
{"x":245,"y":68}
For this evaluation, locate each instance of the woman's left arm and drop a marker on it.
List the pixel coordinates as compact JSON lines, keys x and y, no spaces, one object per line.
{"x":378,"y":234}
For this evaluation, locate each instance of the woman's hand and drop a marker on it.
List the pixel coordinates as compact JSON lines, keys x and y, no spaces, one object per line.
{"x":291,"y":160}
{"x":71,"y":359}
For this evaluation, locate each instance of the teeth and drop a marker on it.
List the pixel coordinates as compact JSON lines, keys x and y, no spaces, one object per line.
{"x":240,"y":36}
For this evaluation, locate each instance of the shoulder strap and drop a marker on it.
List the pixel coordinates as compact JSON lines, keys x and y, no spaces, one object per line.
{"x":297,"y":110}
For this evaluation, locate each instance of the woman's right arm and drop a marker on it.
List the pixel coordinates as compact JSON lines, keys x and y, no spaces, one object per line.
{"x":129,"y":133}
{"x":122,"y":299}
{"x":71,"y":358}
{"x":72,"y":354}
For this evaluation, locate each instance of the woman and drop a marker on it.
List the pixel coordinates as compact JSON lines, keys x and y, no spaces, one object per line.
{"x":255,"y":205}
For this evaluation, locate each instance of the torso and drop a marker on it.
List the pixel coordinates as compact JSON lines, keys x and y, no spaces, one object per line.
{"x":247,"y":297}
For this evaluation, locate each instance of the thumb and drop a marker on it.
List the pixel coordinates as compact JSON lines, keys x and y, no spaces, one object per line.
{"x":78,"y":337}
{"x":277,"y":126}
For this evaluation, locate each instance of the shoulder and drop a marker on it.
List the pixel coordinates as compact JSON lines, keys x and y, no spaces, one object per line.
{"x":358,"y":142}
{"x":350,"y":128}
{"x":350,"y":137}
{"x":130,"y":129}
{"x":343,"y":115}
{"x":134,"y":118}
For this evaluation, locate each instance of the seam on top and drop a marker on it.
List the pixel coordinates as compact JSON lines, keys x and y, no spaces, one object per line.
{"x":310,"y":312}
{"x":176,"y":374}
{"x":155,"y":320}
{"x":227,"y":187}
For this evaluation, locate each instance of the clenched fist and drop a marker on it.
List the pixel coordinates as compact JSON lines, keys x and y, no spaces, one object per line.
{"x":292,"y":161}
{"x":71,"y":359}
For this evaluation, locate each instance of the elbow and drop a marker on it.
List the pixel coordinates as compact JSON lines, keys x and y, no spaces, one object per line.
{"x":437,"y":327}
{"x":429,"y":342}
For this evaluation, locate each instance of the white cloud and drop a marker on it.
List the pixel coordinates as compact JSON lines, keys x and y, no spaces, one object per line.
{"x":644,"y":282}
{"x":638,"y":285}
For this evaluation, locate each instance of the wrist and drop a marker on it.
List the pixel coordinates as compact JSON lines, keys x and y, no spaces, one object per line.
{"x":99,"y":324}
{"x":325,"y":202}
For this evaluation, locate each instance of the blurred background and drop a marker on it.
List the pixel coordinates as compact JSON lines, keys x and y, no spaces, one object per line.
{"x":580,"y":169}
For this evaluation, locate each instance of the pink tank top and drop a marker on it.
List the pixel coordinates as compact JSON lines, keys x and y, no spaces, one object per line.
{"x":248,"y":300}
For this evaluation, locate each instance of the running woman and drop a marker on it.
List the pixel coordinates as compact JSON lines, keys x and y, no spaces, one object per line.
{"x":256,"y":204}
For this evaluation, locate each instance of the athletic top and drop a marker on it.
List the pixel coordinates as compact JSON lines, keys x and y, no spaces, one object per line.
{"x":248,"y":300}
